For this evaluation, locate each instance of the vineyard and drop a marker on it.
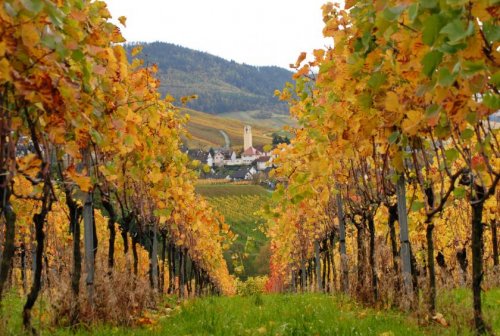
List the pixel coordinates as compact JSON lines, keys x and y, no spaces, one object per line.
{"x":240,"y":204}
{"x":389,"y":189}
{"x":89,"y":152}
{"x":384,"y":219}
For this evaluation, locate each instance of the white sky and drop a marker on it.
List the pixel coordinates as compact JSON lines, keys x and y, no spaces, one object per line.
{"x":255,"y":32}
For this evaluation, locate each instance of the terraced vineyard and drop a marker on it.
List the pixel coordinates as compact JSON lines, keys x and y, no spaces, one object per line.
{"x":249,"y":254}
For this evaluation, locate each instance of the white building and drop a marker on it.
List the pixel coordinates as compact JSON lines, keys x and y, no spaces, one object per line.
{"x":249,"y":155}
{"x":210,"y":160}
{"x":264,"y":162}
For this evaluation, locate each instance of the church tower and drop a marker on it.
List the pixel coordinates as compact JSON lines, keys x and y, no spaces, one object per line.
{"x":247,"y":137}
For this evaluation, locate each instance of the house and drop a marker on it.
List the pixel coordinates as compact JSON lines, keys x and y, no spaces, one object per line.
{"x":197,"y":154}
{"x":244,"y":173}
{"x":263,"y":163}
{"x":233,"y":160}
{"x":218,"y":159}
{"x":250,"y":155}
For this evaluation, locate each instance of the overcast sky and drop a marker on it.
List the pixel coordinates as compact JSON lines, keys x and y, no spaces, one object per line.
{"x":255,"y":32}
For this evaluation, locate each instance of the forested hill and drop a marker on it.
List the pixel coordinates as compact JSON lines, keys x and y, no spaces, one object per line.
{"x":222,"y":86}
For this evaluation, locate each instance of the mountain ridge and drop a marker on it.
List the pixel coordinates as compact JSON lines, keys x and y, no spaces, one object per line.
{"x":222,"y":86}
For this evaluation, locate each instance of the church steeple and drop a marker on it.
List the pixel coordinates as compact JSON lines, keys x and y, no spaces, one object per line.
{"x":247,"y":137}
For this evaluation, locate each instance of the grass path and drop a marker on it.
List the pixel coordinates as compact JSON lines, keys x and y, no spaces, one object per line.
{"x":309,"y":314}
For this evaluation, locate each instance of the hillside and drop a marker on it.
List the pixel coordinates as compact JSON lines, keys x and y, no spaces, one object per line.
{"x":205,"y":131}
{"x":222,"y":86}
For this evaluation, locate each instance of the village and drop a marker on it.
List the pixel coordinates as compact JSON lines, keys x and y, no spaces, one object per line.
{"x":253,"y":163}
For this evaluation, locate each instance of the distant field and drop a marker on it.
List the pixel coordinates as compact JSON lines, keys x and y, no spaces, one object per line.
{"x":205,"y":129}
{"x":276,"y":121}
{"x":223,"y":190}
{"x":239,"y":204}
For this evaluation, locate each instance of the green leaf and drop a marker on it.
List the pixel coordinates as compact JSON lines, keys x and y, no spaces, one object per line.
{"x":432,"y":110}
{"x":49,"y":41}
{"x":77,"y":55}
{"x":297,"y":198}
{"x":365,"y":100}
{"x":393,"y":13}
{"x":471,"y":118}
{"x":34,"y":6}
{"x":417,"y":205}
{"x":55,"y":15}
{"x":459,"y":192}
{"x":431,"y":61}
{"x":442,"y":130}
{"x":96,"y":136}
{"x":452,"y":154}
{"x":456,"y":30}
{"x":394,"y":177}
{"x":301,"y":178}
{"x":393,"y":138}
{"x":491,"y":32}
{"x":467,"y":134}
{"x":492,"y":100}
{"x":431,"y":29}
{"x":428,"y":3}
{"x":413,"y":12}
{"x":456,"y":3}
{"x":452,"y":48}
{"x":445,"y":77}
{"x":495,"y":79}
{"x":377,"y":80}
{"x":470,"y":68}
{"x":79,"y":4}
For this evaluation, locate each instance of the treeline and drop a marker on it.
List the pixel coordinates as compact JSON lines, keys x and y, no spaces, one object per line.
{"x":390,"y":187}
{"x":84,"y":132}
{"x":221,"y":85}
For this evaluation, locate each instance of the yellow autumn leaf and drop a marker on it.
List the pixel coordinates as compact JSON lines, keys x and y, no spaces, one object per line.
{"x":392,"y":102}
{"x":5,"y":75}
{"x":29,"y":35}
{"x":3,"y":48}
{"x":80,"y":179}
{"x":397,"y":162}
{"x":136,"y":50}
{"x":412,"y":122}
{"x":29,"y":164}
{"x":300,"y":59}
{"x":123,"y":20}
{"x":73,"y":149}
{"x":155,"y":176}
{"x":83,"y":182}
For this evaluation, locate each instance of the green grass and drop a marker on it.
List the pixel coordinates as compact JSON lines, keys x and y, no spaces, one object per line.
{"x":456,"y":306}
{"x":239,"y":204}
{"x":309,"y":314}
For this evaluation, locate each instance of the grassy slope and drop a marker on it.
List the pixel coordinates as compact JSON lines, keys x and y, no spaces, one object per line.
{"x":238,"y":204}
{"x":309,"y":314}
{"x":275,"y":120}
{"x":204,"y":129}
